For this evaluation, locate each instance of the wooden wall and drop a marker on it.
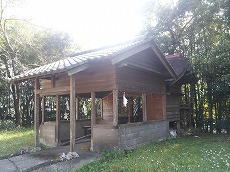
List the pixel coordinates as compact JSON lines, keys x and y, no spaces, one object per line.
{"x":60,"y":80}
{"x":147,"y":59}
{"x":97,"y":78}
{"x":107,"y":111}
{"x":173,"y":100}
{"x":155,"y":107}
{"x":100,"y":78}
{"x":133,"y":80}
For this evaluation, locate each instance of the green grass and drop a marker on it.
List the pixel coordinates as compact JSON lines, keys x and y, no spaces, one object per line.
{"x":12,"y":141}
{"x":208,"y":153}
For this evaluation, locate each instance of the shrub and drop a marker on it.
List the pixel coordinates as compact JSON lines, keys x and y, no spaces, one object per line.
{"x":7,"y":125}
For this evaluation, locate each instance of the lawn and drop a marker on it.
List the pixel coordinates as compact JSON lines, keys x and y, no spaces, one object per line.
{"x":205,"y":153}
{"x":12,"y":141}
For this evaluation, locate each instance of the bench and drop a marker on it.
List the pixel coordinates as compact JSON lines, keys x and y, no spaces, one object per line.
{"x":87,"y":129}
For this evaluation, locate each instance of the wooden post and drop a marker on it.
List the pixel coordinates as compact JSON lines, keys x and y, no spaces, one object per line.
{"x":93,"y":116}
{"x":129,"y":109}
{"x":57,"y":132}
{"x":36,"y":112}
{"x":101,"y":103}
{"x":77,"y":108}
{"x":72,"y":113}
{"x":43,"y":108}
{"x":144,"y":107}
{"x":178,"y":126}
{"x":164,"y":106}
{"x":115,"y":107}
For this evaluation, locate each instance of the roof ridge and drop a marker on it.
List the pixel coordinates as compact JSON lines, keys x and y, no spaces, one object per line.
{"x":138,"y":38}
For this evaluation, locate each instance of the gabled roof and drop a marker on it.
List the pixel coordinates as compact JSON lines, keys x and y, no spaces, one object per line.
{"x":81,"y":61}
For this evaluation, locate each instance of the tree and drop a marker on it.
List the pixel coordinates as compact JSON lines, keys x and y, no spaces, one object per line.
{"x":24,"y":46}
{"x":199,"y":29}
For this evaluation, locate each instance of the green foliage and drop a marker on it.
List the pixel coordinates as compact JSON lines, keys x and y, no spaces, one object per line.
{"x":199,"y":29}
{"x":24,"y":46}
{"x":204,"y":153}
{"x":7,"y":125}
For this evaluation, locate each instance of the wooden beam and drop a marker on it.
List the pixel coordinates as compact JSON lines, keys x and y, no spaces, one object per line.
{"x":57,"y":131}
{"x":43,"y":108}
{"x":78,"y":69}
{"x":115,"y":107}
{"x":54,"y":91}
{"x":93,"y":117}
{"x":129,"y":53}
{"x":72,"y":113}
{"x":143,"y":68}
{"x":144,"y":107}
{"x":36,"y":112}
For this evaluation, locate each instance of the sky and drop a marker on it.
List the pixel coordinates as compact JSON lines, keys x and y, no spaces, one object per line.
{"x":91,"y":23}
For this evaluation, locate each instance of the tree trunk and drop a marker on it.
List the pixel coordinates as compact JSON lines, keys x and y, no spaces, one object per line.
{"x":15,"y":94}
{"x":210,"y":104}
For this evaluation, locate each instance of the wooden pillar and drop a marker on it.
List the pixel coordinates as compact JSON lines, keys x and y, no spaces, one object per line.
{"x":178,"y":126}
{"x":57,"y":132}
{"x":129,"y":109}
{"x":115,"y":107}
{"x":101,"y":106}
{"x":144,"y":107}
{"x":164,"y":106}
{"x":93,"y":116}
{"x":36,"y":112}
{"x":77,"y":108}
{"x":43,"y":108}
{"x":72,"y":113}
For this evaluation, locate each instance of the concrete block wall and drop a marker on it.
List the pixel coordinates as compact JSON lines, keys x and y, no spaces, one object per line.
{"x":105,"y":137}
{"x":137,"y":134}
{"x":47,"y":134}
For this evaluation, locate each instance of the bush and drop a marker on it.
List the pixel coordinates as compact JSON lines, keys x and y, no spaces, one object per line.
{"x":7,"y":125}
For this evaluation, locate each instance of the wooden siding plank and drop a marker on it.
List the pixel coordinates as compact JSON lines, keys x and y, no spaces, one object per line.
{"x":56,"y":90}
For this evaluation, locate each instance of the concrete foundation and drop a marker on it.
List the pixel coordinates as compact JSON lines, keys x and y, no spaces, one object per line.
{"x":129,"y":136}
